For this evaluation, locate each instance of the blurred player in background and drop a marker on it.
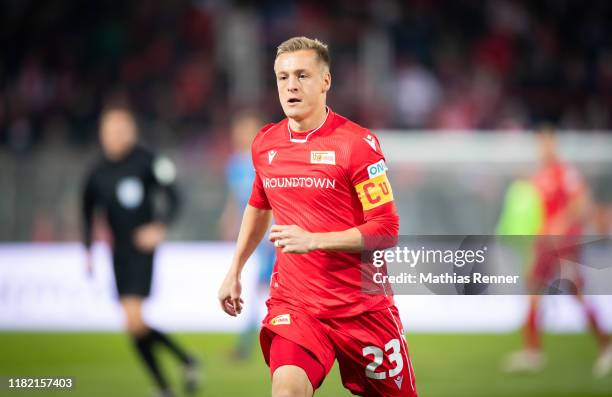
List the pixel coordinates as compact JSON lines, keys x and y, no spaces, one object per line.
{"x":324,"y":179}
{"x":565,"y":203}
{"x":239,"y":174}
{"x":602,"y":196}
{"x":124,"y":184}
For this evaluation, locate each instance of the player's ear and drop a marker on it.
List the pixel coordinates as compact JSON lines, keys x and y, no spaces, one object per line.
{"x":326,"y":81}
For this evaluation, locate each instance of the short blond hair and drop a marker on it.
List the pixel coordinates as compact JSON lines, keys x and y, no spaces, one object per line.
{"x":304,"y":43}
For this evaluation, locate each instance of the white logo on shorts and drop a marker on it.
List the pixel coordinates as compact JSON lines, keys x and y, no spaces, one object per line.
{"x":398,"y":381}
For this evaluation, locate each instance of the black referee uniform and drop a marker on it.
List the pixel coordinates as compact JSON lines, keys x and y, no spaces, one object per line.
{"x":127,"y":191}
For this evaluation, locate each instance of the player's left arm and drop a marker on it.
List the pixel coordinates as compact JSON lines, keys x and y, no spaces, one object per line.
{"x":578,"y":207}
{"x":368,"y":175}
{"x":164,"y":174}
{"x":149,"y":236}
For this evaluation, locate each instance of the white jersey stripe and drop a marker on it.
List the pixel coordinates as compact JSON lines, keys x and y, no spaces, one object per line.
{"x":403,"y":342}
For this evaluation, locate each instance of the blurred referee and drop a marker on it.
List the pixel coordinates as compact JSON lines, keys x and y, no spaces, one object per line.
{"x":125,"y":183}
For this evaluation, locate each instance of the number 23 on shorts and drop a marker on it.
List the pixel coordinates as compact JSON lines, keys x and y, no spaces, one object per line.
{"x":393,"y":351}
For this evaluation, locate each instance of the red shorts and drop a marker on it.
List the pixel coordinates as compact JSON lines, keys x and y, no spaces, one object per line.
{"x":371,"y":350}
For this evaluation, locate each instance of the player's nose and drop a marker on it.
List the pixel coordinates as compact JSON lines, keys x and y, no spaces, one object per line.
{"x":292,"y":85}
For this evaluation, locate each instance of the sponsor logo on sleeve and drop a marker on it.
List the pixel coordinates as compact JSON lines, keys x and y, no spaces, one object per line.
{"x":377,"y":169}
{"x":323,"y":157}
{"x":374,"y":192}
{"x":281,"y":319}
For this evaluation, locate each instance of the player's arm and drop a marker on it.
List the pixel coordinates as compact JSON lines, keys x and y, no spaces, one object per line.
{"x":379,"y":231}
{"x":255,"y":222}
{"x":577,"y":209}
{"x":296,"y":240}
{"x":148,"y":237}
{"x":165,"y":176}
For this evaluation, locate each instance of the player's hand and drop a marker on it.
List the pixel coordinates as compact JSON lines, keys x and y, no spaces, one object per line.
{"x":292,"y":239}
{"x":229,"y":295}
{"x":149,"y":236}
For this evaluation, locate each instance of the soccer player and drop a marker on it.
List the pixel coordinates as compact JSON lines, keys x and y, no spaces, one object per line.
{"x":239,"y":175}
{"x":565,"y":200}
{"x":324,"y":179}
{"x":124,"y":183}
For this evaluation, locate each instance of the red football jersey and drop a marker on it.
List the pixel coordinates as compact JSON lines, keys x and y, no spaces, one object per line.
{"x":331,"y":178}
{"x":558,"y":184}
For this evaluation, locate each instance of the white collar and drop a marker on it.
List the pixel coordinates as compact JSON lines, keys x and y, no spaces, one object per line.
{"x":303,"y":140}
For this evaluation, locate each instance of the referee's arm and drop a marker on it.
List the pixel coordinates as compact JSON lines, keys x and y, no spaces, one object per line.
{"x":88,"y":204}
{"x":164,"y":173}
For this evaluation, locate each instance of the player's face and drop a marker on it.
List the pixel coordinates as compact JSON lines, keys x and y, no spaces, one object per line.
{"x":244,"y":130}
{"x":302,"y":81}
{"x":117,"y":134}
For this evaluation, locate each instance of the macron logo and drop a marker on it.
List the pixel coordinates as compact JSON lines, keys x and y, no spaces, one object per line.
{"x":398,"y":381}
{"x":271,"y":155}
{"x":370,"y":141}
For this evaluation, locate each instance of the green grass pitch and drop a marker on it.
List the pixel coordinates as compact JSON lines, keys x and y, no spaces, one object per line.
{"x":456,"y":365}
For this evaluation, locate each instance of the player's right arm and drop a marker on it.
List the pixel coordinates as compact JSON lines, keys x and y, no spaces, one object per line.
{"x":256,"y":220}
{"x":255,"y":223}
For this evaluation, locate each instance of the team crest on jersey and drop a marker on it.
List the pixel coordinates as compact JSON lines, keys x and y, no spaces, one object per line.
{"x":323,"y":157}
{"x":281,"y":319}
{"x":271,"y":155}
{"x":377,"y":168}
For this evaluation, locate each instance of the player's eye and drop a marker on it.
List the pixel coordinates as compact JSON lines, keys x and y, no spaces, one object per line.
{"x":303,"y":76}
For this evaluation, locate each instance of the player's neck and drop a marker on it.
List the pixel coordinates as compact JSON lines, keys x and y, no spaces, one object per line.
{"x":313,"y":121}
{"x":119,"y":155}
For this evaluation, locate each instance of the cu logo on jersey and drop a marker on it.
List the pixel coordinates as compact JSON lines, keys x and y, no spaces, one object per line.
{"x":374,"y":192}
{"x":130,"y":192}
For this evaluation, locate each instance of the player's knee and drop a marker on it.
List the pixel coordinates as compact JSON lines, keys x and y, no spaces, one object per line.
{"x":136,"y":329}
{"x":288,"y":390}
{"x":290,"y":381}
{"x":135,"y":326}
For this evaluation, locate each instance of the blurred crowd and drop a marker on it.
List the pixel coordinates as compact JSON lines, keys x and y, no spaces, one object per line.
{"x":187,"y":66}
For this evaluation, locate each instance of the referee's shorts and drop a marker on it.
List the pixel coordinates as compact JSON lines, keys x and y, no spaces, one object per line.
{"x":133,"y":271}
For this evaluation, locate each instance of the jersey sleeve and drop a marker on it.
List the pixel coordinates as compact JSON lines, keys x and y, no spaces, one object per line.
{"x":368,"y":175}
{"x":258,"y":197}
{"x":573,"y":183}
{"x":164,"y":175}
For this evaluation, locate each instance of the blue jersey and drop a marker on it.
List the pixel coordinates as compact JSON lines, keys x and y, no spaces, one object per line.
{"x":239,"y":175}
